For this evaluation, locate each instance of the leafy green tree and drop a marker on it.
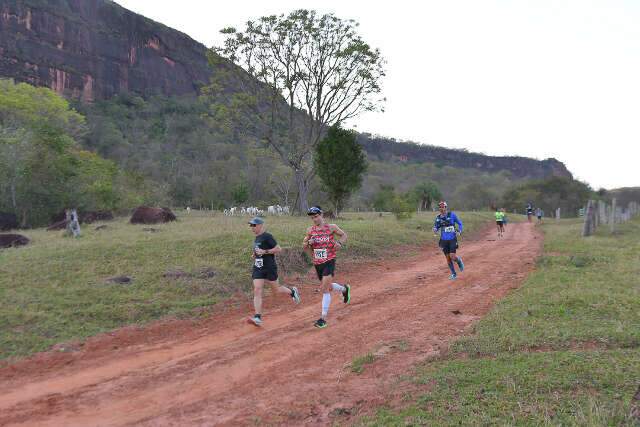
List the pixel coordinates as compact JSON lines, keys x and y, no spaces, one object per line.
{"x":241,"y":193}
{"x":383,"y":199}
{"x":424,"y":194}
{"x":313,"y":72}
{"x":555,"y":192}
{"x":340,"y":163}
{"x":401,"y":207}
{"x":42,"y":168}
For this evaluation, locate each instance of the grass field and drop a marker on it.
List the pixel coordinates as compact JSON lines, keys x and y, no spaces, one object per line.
{"x":564,"y":349}
{"x":56,"y":289}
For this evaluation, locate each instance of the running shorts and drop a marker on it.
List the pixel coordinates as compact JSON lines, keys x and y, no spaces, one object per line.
{"x":326,"y":269}
{"x":449,"y":246}
{"x":270,"y":274}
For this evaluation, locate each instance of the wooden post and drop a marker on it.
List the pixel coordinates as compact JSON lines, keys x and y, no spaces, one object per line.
{"x":587,"y":228}
{"x":612,"y":217}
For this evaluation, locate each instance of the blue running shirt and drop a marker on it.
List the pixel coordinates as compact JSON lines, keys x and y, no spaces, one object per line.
{"x":447,"y":225}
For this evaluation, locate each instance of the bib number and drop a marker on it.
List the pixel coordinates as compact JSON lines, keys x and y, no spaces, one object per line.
{"x":259,"y":262}
{"x":320,"y":253}
{"x":450,"y":229}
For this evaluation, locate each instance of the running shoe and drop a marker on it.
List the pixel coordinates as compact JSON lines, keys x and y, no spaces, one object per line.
{"x":453,"y":277}
{"x":460,"y":264}
{"x":346,"y":295}
{"x":255,"y":320}
{"x":295,"y":295}
{"x":320,"y":323}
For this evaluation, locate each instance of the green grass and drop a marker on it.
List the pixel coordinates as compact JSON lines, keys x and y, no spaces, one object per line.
{"x":564,"y":349}
{"x":357,"y":365}
{"x":55,"y":289}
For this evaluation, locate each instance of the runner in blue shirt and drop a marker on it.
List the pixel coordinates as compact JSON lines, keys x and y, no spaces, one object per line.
{"x":446,"y":224}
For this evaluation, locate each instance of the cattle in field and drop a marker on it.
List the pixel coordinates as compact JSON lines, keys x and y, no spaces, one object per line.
{"x":152,"y":215}
{"x":89,"y":217}
{"x":13,"y":240}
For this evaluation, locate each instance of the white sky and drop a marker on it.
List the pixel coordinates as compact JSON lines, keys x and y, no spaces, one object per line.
{"x":538,"y":78}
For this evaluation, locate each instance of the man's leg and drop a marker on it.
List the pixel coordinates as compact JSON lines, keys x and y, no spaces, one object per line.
{"x":280,"y":289}
{"x":325,"y":288}
{"x":450,"y":264}
{"x":258,"y":285}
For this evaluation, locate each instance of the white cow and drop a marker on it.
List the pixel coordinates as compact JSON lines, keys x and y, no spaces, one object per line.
{"x":271,"y":210}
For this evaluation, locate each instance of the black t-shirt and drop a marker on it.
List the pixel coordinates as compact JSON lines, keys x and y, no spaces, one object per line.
{"x":265,"y":241}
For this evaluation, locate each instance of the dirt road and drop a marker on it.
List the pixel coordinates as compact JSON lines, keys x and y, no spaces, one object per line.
{"x":222,"y":371}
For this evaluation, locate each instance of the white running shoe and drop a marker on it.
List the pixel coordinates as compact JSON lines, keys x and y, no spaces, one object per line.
{"x":255,"y":320}
{"x":295,"y":295}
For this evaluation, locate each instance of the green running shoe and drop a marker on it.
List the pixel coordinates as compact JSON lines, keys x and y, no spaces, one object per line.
{"x":346,"y":295}
{"x":320,"y":323}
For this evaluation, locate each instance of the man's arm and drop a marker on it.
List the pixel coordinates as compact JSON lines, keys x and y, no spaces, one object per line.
{"x":457,"y":221}
{"x":306,"y":246}
{"x":436,"y":225}
{"x":342,"y":236}
{"x":273,"y":251}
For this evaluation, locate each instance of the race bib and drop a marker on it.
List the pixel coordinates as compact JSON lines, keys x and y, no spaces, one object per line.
{"x":320,"y":253}
{"x":259,"y":262}
{"x":450,"y":229}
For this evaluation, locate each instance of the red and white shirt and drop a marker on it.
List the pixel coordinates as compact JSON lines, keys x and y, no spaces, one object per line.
{"x":323,"y":243}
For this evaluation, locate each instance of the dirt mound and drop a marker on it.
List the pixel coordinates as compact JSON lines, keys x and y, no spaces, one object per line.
{"x":13,"y":240}
{"x":149,"y":215}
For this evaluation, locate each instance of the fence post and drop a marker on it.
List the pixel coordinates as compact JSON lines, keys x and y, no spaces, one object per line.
{"x":612,"y":217}
{"x":587,"y":228}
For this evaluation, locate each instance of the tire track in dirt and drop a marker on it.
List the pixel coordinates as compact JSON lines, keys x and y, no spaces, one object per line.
{"x":224,"y":371}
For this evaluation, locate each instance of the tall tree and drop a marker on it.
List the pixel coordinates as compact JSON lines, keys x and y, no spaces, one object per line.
{"x":425,"y":194}
{"x":340,"y":163}
{"x":312,"y":72}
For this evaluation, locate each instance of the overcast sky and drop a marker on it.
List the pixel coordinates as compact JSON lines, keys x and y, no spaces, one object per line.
{"x":531,"y":78}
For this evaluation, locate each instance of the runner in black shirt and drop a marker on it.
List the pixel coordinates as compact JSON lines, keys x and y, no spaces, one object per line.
{"x":265,"y":268}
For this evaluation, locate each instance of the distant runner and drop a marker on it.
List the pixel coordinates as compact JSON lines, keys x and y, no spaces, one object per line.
{"x":539,"y":214}
{"x":265,"y":269}
{"x":446,"y":224}
{"x":500,"y":216}
{"x":529,"y":211}
{"x":321,"y":244}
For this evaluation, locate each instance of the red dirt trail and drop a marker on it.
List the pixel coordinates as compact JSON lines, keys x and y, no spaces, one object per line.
{"x":223,"y":371}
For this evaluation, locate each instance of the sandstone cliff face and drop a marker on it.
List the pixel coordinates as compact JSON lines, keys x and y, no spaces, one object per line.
{"x":93,"y":49}
{"x":520,"y":167}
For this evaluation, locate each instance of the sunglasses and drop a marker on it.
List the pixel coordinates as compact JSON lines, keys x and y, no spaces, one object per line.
{"x":253,"y":225}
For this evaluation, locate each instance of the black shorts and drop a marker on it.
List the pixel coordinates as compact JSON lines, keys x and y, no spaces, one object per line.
{"x":326,"y":269}
{"x":265,"y":273}
{"x":499,"y":222}
{"x":449,"y":246}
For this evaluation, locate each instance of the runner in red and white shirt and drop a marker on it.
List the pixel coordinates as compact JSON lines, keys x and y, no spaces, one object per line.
{"x":322,"y":245}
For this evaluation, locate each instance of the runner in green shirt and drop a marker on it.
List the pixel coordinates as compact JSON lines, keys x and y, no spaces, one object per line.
{"x":500,"y":222}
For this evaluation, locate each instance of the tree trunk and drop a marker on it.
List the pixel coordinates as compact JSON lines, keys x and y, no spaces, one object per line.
{"x":13,"y":196}
{"x":303,"y":191}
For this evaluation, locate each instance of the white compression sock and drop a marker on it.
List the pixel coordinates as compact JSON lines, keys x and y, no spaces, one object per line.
{"x":326,"y":302}
{"x":338,"y":287}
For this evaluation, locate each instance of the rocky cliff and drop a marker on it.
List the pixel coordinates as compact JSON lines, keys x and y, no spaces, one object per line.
{"x":386,"y":149}
{"x":93,"y":49}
